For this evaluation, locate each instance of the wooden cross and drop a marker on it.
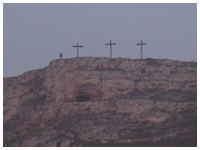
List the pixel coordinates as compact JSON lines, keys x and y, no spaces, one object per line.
{"x":141,"y":47}
{"x":110,"y":47}
{"x":77,"y":46}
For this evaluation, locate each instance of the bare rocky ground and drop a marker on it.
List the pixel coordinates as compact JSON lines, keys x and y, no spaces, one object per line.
{"x":102,"y":102}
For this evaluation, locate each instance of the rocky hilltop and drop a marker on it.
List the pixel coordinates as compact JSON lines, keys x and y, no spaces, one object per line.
{"x":94,"y":101}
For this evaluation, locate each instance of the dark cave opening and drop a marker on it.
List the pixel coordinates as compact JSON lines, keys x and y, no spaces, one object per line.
{"x":83,"y":97}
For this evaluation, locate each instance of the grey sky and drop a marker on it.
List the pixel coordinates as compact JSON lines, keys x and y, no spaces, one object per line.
{"x":35,"y":34}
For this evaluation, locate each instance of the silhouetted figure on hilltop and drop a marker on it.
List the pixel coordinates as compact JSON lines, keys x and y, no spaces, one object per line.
{"x":61,"y":55}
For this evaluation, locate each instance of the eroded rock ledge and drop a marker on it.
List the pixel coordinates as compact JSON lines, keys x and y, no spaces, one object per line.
{"x":102,"y":102}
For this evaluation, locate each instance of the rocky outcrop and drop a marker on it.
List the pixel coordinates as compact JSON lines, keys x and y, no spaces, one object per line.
{"x":102,"y":102}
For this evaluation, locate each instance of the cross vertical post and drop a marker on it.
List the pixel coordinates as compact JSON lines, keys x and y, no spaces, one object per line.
{"x":110,"y":47}
{"x":141,"y":43}
{"x":77,"y":46}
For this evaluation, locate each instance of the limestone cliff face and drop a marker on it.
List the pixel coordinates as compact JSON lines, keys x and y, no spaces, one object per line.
{"x":101,"y":101}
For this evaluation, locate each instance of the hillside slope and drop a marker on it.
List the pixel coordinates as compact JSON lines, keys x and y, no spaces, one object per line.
{"x":102,"y":102}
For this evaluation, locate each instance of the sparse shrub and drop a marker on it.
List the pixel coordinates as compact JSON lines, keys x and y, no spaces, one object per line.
{"x":152,"y":62}
{"x":34,"y":84}
{"x":143,"y":71}
{"x":34,"y":101}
